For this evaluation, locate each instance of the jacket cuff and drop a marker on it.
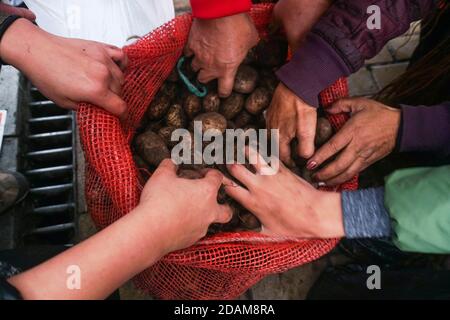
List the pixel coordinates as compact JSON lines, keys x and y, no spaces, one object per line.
{"x":212,"y":9}
{"x":364,"y":214}
{"x":313,"y":68}
{"x":425,"y":129}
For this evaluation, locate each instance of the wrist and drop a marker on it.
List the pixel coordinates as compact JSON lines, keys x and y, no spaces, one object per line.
{"x":16,"y":41}
{"x":329,"y":216}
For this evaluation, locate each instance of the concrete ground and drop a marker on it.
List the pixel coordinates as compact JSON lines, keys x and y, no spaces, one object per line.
{"x":378,"y":72}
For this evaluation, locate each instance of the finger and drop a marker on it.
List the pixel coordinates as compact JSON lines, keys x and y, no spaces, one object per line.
{"x":338,"y":166}
{"x":112,"y":103}
{"x":338,"y":142}
{"x":285,"y":152}
{"x":117,"y":79}
{"x":348,"y":105}
{"x":214,"y":177}
{"x":306,"y":132}
{"x":237,"y":192}
{"x":22,"y":12}
{"x":226,"y":83}
{"x":167,"y":167}
{"x":242,"y":174}
{"x":205,"y":76}
{"x":224,"y":214}
{"x":256,"y":160}
{"x":118,"y":56}
{"x":347,"y":175}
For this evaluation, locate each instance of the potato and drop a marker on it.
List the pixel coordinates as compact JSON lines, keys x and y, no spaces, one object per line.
{"x":175,"y":117}
{"x":211,"y":103}
{"x":212,"y":120}
{"x":251,"y":57}
{"x":232,"y":105}
{"x":242,"y":119}
{"x":170,"y":90}
{"x":246,"y":79}
{"x":190,"y":174}
{"x":140,"y":163}
{"x":324,"y":131}
{"x":155,"y":126}
{"x":151,"y":147}
{"x":258,"y":101}
{"x":268,"y":80}
{"x":249,"y":221}
{"x":231,"y":125}
{"x":159,"y":107}
{"x":192,"y":106}
{"x":166,"y":134}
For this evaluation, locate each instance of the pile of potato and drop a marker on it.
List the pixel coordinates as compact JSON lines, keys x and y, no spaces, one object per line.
{"x":175,"y":107}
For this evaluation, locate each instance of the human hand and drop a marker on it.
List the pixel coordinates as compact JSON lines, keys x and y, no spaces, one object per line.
{"x":294,"y":119}
{"x":285,"y":204}
{"x":219,"y":46}
{"x":17,"y":11}
{"x":297,"y":17}
{"x":67,"y":71}
{"x":367,"y":137}
{"x":183,"y":208}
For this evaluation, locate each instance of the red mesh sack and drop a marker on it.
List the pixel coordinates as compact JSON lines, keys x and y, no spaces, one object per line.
{"x":218,"y":267}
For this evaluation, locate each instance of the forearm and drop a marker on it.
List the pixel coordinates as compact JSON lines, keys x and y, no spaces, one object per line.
{"x":106,"y":261}
{"x":341,"y":41}
{"x":425,"y":129}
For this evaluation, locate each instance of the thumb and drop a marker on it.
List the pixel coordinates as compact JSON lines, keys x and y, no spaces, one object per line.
{"x":224,"y":214}
{"x":348,"y":105}
{"x":112,"y":103}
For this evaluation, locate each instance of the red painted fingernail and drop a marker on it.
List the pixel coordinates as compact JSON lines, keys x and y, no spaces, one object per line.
{"x":311,"y":165}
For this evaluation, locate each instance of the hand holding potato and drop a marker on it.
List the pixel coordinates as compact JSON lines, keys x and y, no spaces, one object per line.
{"x":367,"y":137}
{"x":294,"y":119}
{"x":183,"y":208}
{"x":219,"y":46}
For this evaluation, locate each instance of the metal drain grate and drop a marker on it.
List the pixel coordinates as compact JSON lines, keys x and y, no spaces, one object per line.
{"x":48,"y":160}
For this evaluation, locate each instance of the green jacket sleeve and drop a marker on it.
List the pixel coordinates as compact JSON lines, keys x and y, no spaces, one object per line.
{"x":418,"y":201}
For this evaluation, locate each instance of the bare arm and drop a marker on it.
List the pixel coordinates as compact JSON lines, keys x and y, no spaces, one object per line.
{"x":173,"y":214}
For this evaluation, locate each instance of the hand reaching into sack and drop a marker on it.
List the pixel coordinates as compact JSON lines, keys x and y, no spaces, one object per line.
{"x":297,"y":17}
{"x":219,"y":46}
{"x":369,"y":136}
{"x":67,"y":71}
{"x":285,"y":204}
{"x":294,"y":119}
{"x":173,"y":214}
{"x":186,"y":207}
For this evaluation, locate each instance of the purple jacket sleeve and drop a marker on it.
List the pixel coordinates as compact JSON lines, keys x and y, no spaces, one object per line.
{"x":425,"y":129}
{"x":341,"y":41}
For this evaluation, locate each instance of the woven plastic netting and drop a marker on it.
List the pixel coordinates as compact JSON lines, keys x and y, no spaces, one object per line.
{"x":218,"y":267}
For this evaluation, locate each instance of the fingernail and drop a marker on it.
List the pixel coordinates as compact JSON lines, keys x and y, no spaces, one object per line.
{"x":311,"y":165}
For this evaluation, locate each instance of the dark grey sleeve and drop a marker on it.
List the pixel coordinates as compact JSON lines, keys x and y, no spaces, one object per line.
{"x":364,"y":214}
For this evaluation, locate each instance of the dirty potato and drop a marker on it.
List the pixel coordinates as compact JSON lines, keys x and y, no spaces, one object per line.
{"x":246,"y":79}
{"x":324,"y":131}
{"x":232,"y":105}
{"x":258,"y":101}
{"x":158,"y":108}
{"x":192,"y":106}
{"x":151,"y":148}
{"x":175,"y":117}
{"x":211,"y":103}
{"x":212,"y":121}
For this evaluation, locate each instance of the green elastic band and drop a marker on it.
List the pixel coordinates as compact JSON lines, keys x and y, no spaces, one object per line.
{"x":200,"y":90}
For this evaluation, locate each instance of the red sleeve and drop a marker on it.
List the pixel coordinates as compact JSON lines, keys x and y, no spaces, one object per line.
{"x":211,"y":9}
